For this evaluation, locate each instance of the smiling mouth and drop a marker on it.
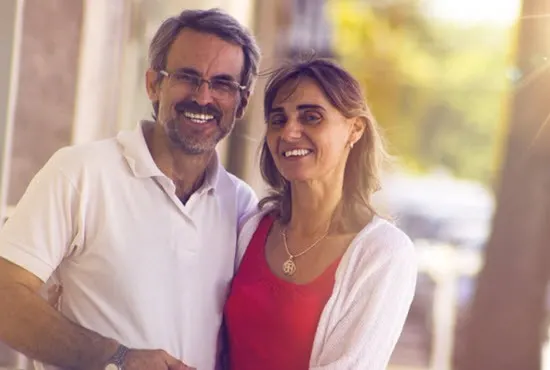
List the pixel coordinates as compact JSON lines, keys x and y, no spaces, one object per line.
{"x":296,"y":153}
{"x":198,"y":118}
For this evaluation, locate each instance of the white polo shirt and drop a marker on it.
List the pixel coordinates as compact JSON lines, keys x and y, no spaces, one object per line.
{"x":136,"y":264}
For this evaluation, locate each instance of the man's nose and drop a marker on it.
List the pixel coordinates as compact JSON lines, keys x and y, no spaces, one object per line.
{"x":203,"y":94}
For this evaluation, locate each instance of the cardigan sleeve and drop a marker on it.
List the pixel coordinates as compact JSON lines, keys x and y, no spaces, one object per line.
{"x":378,"y":288}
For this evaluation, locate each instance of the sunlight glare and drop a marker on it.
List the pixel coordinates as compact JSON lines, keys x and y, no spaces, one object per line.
{"x":501,"y":12}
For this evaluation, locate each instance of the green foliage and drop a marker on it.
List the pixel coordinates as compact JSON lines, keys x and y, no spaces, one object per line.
{"x":438,"y":90}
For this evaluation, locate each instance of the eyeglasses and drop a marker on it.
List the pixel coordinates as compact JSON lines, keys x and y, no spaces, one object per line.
{"x":220,"y":88}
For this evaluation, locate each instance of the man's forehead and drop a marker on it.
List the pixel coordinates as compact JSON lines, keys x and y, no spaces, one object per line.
{"x":206,"y":53}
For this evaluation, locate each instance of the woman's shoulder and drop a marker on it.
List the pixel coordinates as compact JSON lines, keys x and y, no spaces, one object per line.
{"x":252,"y":221}
{"x":381,"y":241}
{"x":384,"y":231}
{"x":248,"y":228}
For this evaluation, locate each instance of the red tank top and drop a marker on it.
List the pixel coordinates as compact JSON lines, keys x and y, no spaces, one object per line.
{"x":271,"y":323}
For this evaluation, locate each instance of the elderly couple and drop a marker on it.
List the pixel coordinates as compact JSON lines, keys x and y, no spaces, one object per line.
{"x":167,"y":261}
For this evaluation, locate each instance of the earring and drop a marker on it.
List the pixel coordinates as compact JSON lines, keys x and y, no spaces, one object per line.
{"x":351,"y":145}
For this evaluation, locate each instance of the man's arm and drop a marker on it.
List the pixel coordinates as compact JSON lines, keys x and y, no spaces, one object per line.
{"x":247,"y":203}
{"x":33,"y":242}
{"x":31,"y":326}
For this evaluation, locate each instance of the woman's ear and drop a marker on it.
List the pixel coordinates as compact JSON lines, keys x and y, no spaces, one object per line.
{"x":357,"y":128}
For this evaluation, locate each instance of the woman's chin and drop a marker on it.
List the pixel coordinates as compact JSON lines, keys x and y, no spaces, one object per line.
{"x":298,"y":177}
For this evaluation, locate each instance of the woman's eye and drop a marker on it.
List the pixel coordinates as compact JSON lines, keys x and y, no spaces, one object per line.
{"x":276,"y":121}
{"x":311,"y":117}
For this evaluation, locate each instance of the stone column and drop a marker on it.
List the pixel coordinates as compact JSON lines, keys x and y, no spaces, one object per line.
{"x":270,"y":20}
{"x":47,"y":82}
{"x":11,"y":26}
{"x":99,"y":75}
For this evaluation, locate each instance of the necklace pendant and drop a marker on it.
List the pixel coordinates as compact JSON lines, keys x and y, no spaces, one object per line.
{"x":289,"y":267}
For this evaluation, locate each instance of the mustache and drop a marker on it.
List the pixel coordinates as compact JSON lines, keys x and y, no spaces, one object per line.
{"x":193,"y":107}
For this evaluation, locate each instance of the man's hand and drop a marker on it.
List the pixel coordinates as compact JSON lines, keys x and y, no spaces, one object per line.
{"x":140,"y":359}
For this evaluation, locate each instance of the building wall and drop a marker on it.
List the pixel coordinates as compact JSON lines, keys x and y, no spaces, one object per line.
{"x":46,"y":94}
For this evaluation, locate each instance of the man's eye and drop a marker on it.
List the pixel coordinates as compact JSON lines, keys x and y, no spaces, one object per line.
{"x":185,"y":78}
{"x":223,"y":85}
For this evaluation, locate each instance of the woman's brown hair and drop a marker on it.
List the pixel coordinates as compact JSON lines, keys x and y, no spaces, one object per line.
{"x":366,"y":158}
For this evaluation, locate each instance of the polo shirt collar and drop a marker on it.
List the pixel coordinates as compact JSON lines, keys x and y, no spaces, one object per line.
{"x":139,"y":158}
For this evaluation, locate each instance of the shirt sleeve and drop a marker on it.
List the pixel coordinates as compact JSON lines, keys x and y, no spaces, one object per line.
{"x":247,"y":204}
{"x":39,"y":233}
{"x":379,"y":294}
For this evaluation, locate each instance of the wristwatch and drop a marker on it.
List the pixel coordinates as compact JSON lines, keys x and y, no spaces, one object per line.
{"x":117,"y":360}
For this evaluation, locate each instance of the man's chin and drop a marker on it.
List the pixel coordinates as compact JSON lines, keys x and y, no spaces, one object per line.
{"x":195,"y":147}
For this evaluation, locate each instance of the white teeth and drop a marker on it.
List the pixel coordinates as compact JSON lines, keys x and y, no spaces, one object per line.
{"x":198,"y":118}
{"x":296,"y":153}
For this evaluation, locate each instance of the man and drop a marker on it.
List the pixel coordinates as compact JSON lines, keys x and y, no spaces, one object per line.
{"x":139,"y":229}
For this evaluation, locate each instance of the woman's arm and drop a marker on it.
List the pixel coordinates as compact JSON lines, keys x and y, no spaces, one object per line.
{"x":378,"y":294}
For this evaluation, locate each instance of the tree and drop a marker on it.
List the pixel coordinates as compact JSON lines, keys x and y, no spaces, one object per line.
{"x":505,"y":327}
{"x":437,"y":89}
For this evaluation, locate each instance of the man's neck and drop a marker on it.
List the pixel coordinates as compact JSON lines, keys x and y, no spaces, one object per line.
{"x":188,"y":172}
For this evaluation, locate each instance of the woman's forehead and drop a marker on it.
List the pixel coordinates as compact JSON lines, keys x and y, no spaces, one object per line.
{"x":299,"y":91}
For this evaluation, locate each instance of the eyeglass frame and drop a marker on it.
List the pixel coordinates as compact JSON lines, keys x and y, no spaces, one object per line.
{"x":240,"y":88}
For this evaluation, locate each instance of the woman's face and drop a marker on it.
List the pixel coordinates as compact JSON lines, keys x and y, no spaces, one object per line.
{"x":307,"y":136}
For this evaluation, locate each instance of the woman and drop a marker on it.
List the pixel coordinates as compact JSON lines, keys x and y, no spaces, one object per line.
{"x":324,"y":283}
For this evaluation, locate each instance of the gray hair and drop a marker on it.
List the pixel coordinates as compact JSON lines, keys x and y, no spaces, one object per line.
{"x":212,"y":21}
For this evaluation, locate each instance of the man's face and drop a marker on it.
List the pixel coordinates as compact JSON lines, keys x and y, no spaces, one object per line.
{"x":195,"y":120}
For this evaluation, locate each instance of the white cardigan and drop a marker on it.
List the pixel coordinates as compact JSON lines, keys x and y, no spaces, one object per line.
{"x":374,"y":286}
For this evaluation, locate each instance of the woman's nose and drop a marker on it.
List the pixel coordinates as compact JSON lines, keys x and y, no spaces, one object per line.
{"x":292,"y":131}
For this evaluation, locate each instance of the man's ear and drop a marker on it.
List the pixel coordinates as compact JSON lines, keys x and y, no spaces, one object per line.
{"x":152,"y":85}
{"x":245,"y":99}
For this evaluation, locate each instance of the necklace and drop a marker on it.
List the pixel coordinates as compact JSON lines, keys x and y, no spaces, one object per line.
{"x":289,"y":267}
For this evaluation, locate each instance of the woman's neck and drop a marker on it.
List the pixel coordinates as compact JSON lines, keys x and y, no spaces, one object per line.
{"x":313,"y":207}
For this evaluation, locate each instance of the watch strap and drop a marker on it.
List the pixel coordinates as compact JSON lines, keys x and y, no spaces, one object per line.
{"x":118,"y":357}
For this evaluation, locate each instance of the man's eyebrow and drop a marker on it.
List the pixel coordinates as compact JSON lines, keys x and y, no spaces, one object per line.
{"x":194,"y":72}
{"x":188,"y":70}
{"x":223,"y":76}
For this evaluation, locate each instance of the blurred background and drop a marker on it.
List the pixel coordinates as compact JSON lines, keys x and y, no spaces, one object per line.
{"x":461,"y":89}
